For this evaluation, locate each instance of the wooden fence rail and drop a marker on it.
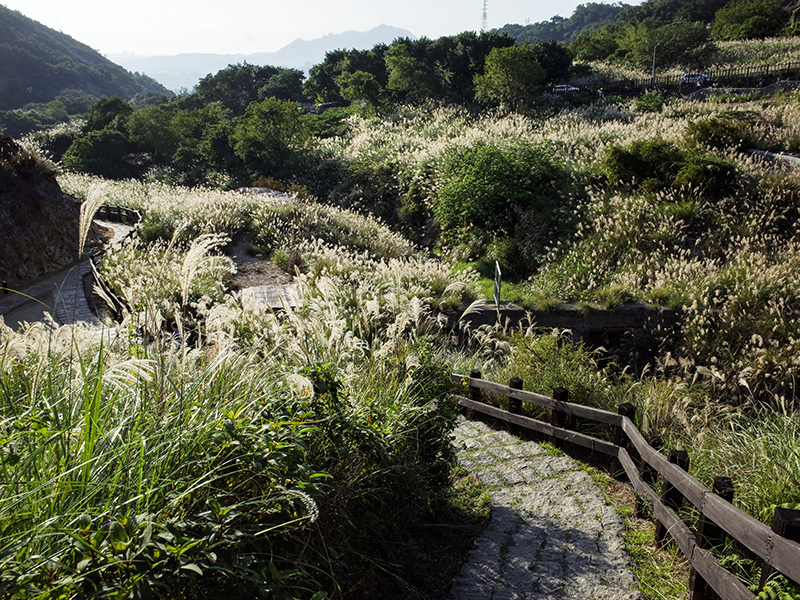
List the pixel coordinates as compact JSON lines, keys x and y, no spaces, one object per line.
{"x":119,"y":214}
{"x":777,"y":547}
{"x":731,"y":77}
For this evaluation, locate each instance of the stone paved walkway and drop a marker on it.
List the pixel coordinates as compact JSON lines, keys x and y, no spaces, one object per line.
{"x":551,"y":535}
{"x":61,"y":294}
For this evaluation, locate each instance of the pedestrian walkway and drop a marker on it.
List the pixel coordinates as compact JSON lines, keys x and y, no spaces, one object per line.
{"x":60,"y":294}
{"x":551,"y":534}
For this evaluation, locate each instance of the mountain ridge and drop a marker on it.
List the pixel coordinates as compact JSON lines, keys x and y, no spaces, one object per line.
{"x":183,"y":71}
{"x":39,"y":63}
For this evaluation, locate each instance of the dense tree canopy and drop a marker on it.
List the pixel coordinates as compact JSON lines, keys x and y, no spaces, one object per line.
{"x":237,"y":86}
{"x":586,"y":18}
{"x":746,"y":19}
{"x":271,"y":137}
{"x":511,"y":77}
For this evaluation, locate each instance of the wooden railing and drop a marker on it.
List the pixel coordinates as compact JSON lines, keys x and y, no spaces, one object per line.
{"x":642,"y":462}
{"x":757,"y":76}
{"x":119,"y":214}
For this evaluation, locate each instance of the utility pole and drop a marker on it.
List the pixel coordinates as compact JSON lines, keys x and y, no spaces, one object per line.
{"x":653,"y":82}
{"x":485,"y":16}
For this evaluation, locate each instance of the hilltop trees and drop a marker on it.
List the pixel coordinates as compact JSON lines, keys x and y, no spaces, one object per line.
{"x":238,"y":86}
{"x":679,"y":43}
{"x":746,"y":19}
{"x":510,"y":77}
{"x":270,"y":137}
{"x":410,"y":78}
{"x":407,"y":70}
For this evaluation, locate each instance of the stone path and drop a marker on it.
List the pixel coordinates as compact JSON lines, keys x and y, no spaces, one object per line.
{"x":61,"y":294}
{"x":69,"y":299}
{"x":551,"y":535}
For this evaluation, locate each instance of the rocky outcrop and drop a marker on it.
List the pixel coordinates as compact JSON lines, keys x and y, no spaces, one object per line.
{"x":38,"y":222}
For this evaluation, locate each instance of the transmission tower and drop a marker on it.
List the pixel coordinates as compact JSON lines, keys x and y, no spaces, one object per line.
{"x":484,"y":17}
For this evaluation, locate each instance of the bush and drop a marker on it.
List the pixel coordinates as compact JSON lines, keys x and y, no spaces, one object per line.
{"x":656,"y":164}
{"x":650,"y":102}
{"x":728,"y":130}
{"x":491,"y":193}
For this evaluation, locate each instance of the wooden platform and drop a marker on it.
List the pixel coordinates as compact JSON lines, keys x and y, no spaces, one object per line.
{"x":276,"y":296}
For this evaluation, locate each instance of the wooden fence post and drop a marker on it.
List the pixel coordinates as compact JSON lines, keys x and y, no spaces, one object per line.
{"x":620,"y":439}
{"x":709,"y":535}
{"x":786,"y":523}
{"x":671,"y":496}
{"x":649,"y":475}
{"x":557,"y":417}
{"x":475,"y":393}
{"x":515,"y":405}
{"x":626,"y":410}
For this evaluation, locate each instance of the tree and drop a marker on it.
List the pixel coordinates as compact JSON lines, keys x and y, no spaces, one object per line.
{"x":510,"y":77}
{"x":108,"y":112}
{"x":323,"y":79}
{"x":150,"y":129}
{"x":600,"y":44}
{"x":321,"y":85}
{"x":286,"y":84}
{"x":270,"y":138}
{"x":104,"y":153}
{"x":360,"y":87}
{"x":749,"y":19}
{"x":239,"y":85}
{"x":679,"y":44}
{"x":554,"y":58}
{"x":410,"y":78}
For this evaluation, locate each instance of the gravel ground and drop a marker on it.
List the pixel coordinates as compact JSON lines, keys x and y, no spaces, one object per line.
{"x":551,"y":534}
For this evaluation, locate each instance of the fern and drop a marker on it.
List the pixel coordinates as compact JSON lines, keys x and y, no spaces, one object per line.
{"x":779,"y":588}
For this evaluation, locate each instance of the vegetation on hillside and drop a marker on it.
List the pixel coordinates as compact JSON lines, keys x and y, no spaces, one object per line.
{"x":47,"y":76}
{"x":317,"y":438}
{"x":284,"y":455}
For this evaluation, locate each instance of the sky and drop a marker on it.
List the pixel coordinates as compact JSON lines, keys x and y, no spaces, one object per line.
{"x":166,"y":27}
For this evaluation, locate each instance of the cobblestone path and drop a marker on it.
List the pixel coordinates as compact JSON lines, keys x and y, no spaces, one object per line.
{"x":551,"y":534}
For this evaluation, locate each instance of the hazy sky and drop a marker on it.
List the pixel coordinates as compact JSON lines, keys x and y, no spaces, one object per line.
{"x":163,"y":27}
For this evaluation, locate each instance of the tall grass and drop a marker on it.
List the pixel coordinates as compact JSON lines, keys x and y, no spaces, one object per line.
{"x":277,"y":453}
{"x":109,"y":462}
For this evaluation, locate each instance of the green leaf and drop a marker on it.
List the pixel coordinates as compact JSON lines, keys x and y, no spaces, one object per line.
{"x":193,"y":568}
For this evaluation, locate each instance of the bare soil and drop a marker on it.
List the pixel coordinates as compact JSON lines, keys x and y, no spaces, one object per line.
{"x":253,"y":271}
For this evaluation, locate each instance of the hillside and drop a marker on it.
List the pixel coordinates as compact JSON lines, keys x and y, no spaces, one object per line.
{"x":40,"y":63}
{"x":586,"y":18}
{"x":185,"y":70}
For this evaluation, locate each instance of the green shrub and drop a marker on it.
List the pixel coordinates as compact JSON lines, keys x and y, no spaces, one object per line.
{"x":506,"y":199}
{"x":650,"y":102}
{"x":640,"y":161}
{"x":657,"y":164}
{"x":728,"y":130}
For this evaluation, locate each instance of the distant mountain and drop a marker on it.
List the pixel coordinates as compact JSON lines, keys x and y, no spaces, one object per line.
{"x":183,"y":71}
{"x":37,"y":64}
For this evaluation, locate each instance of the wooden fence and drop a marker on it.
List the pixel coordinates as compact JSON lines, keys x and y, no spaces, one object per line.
{"x":735,"y":77}
{"x":643,"y":462}
{"x":118,"y":214}
{"x":115,"y":214}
